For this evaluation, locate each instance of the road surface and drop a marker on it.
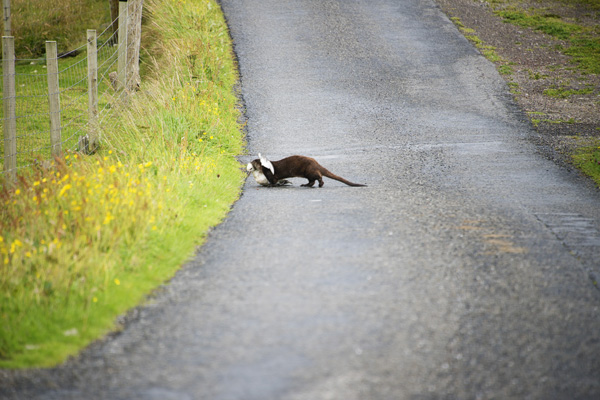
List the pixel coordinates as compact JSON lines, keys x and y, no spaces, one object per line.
{"x":465,"y":270}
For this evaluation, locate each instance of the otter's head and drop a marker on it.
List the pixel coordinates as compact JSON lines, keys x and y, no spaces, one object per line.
{"x":253,"y":166}
{"x":256,"y":169}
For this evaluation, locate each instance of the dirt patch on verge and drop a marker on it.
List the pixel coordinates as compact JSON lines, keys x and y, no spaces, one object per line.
{"x":559,"y":92}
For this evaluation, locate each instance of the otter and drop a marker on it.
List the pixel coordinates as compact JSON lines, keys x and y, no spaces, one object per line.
{"x":274,"y":173}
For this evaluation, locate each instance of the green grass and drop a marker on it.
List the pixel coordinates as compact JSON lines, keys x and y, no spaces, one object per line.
{"x":506,"y":69}
{"x":588,"y":160}
{"x":33,"y":124}
{"x":549,"y":24}
{"x":584,"y":42}
{"x":35,"y":21}
{"x":586,"y":52}
{"x":562,"y":93}
{"x":82,"y":242}
{"x":593,"y":4}
{"x":488,"y":51}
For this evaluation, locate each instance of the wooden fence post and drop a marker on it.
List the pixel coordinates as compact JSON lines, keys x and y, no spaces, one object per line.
{"x":134,"y":36}
{"x":7,"y":18}
{"x":9,"y":101}
{"x":92,"y":56}
{"x":53,"y":98}
{"x":122,"y":49}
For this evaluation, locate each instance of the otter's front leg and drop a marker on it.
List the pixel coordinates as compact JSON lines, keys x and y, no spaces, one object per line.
{"x":270,"y":177}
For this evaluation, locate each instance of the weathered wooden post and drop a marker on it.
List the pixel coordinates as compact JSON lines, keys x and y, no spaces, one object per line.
{"x":53,"y":98}
{"x":7,"y":17}
{"x":134,"y":36}
{"x":9,"y":101}
{"x":122,"y":50}
{"x":92,"y":57}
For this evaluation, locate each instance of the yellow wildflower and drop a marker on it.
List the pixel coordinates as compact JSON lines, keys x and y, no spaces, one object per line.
{"x":108,"y":218}
{"x":13,"y":247}
{"x":64,"y":189}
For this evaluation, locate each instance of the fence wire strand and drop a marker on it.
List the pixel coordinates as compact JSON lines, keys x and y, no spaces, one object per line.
{"x":31,"y":100}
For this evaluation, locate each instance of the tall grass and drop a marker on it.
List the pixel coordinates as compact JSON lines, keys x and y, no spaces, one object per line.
{"x":35,"y":21}
{"x":84,"y":241}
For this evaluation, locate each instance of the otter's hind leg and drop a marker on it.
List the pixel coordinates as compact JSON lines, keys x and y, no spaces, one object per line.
{"x":313,"y":178}
{"x":319,"y":177}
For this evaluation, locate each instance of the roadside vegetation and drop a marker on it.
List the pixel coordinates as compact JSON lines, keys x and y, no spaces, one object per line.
{"x":551,"y":63}
{"x":35,"y":21}
{"x":584,"y":45}
{"x":85,"y":240}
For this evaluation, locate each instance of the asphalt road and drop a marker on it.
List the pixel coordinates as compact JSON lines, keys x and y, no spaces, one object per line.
{"x":465,"y":270}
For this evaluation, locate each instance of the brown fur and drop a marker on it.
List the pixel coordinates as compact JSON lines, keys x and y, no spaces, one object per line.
{"x":299,"y":167}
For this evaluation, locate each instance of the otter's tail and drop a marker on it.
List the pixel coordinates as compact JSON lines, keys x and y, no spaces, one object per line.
{"x":330,"y":175}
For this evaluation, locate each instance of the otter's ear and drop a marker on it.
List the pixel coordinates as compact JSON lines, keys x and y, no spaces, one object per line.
{"x":266,"y":163}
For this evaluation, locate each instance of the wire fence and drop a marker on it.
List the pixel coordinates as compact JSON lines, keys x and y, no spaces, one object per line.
{"x":83,"y":106}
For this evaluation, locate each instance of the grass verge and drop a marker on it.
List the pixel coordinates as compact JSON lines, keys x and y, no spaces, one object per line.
{"x":82,"y":242}
{"x":584,"y":45}
{"x":35,"y":21}
{"x":587,"y":158}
